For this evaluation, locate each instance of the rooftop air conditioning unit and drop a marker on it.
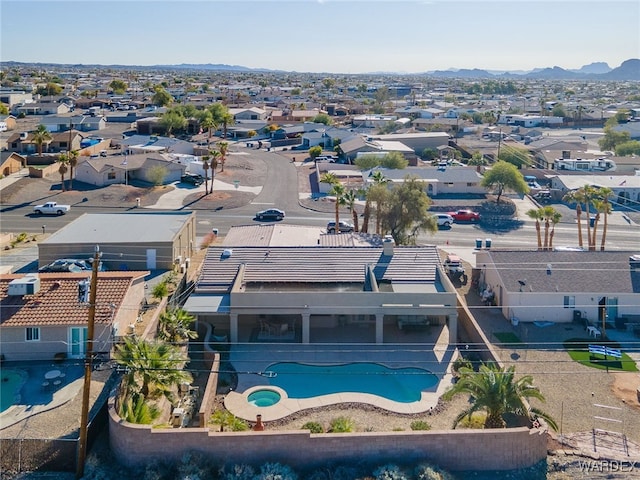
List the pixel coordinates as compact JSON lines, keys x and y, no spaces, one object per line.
{"x":24,"y":135}
{"x":28,"y":285}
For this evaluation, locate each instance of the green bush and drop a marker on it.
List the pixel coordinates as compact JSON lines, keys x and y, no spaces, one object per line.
{"x":476,"y":421}
{"x":314,"y":427}
{"x":160,"y":290}
{"x":420,"y":425}
{"x":342,"y":425}
{"x":459,"y":363}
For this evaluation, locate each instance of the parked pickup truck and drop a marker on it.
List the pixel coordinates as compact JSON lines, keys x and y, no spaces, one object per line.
{"x":51,"y":208}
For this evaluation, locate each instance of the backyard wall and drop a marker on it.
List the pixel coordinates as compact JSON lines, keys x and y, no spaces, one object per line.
{"x":499,"y":449}
{"x":470,"y":333}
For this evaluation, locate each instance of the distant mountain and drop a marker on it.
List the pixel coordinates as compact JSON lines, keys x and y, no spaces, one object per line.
{"x":220,"y":67}
{"x":628,"y":70}
{"x":595,"y":67}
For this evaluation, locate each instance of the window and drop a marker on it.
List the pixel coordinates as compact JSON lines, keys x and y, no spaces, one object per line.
{"x":32,"y":334}
{"x":569,"y":301}
{"x":111,"y":175}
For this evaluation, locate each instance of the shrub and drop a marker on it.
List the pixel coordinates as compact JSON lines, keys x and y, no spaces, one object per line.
{"x":389,"y":472}
{"x":314,"y":427}
{"x":276,"y":471}
{"x":160,"y":290}
{"x":342,"y":425}
{"x":476,"y":421}
{"x":458,"y":364}
{"x":238,"y":472}
{"x":429,"y":472}
{"x":420,"y":425}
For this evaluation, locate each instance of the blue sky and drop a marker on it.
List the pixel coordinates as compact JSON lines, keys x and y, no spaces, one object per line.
{"x":338,"y":36}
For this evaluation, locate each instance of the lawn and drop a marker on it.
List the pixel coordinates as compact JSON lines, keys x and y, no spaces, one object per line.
{"x":578,"y":349}
{"x":507,"y":337}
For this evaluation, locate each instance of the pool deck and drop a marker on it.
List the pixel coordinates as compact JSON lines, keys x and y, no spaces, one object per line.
{"x":33,"y":398}
{"x":251,"y":361}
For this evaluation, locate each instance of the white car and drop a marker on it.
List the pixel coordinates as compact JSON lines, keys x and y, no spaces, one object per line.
{"x":444,"y":220}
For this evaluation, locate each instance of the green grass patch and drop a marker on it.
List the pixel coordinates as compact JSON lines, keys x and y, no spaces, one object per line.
{"x":578,"y":349}
{"x":507,"y":337}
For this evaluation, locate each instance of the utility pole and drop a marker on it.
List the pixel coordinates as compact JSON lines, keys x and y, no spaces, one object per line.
{"x":84,"y":419}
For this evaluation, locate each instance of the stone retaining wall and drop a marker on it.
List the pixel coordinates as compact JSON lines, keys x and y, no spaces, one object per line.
{"x":500,"y":449}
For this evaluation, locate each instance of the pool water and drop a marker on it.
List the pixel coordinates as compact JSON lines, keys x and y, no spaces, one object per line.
{"x":402,"y":385}
{"x":263,"y":398}
{"x":12,"y":381}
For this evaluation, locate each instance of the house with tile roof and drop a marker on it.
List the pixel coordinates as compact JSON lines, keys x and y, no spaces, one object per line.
{"x":306,"y":293}
{"x":45,"y":314}
{"x":552,"y":286}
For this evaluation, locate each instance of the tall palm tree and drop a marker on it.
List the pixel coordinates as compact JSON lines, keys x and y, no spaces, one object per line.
{"x":174,"y":326}
{"x":206,"y":167}
{"x":153,"y":368}
{"x":350,"y":198}
{"x":375,"y":194}
{"x":604,"y":193}
{"x":495,"y":391}
{"x":550,"y":215}
{"x":223,"y":148}
{"x":63,"y":167}
{"x":338,"y":190}
{"x":555,"y":219}
{"x":40,"y":137}
{"x":73,"y":162}
{"x":536,"y":214}
{"x":577,"y":197}
{"x":215,"y":155}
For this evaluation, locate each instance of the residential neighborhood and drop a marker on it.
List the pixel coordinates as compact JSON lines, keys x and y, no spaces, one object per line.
{"x":204,"y":318}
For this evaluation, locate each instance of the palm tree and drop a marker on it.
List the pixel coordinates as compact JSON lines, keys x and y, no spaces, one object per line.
{"x":604,"y":194}
{"x":173,"y":326}
{"x":73,"y":162}
{"x":536,"y":214}
{"x":208,"y":123}
{"x":577,"y":197}
{"x":206,"y":167}
{"x":550,"y":215}
{"x":40,"y":137}
{"x":338,"y":190}
{"x":153,"y":368}
{"x":63,"y":160}
{"x":223,"y":148}
{"x":555,"y":219}
{"x":215,"y":155}
{"x":350,"y":198}
{"x":495,"y":391}
{"x":375,"y":193}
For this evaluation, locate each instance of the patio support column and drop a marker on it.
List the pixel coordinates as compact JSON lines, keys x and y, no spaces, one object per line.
{"x":379,"y":327}
{"x":305,"y":327}
{"x":233,"y":327}
{"x":453,"y":328}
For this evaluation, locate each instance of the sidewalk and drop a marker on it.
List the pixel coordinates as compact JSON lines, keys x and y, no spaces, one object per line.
{"x":174,"y":200}
{"x":14,"y":177}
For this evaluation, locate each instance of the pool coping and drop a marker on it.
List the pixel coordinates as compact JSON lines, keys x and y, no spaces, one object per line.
{"x":238,"y":403}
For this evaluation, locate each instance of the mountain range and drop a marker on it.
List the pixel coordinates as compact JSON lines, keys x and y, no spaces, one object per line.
{"x":629,"y":70}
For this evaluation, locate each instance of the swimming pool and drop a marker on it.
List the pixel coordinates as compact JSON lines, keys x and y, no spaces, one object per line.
{"x":12,"y":381}
{"x":403,"y":385}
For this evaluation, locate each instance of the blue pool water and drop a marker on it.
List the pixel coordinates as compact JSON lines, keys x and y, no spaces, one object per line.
{"x":402,"y":385}
{"x":12,"y":381}
{"x":263,"y":398}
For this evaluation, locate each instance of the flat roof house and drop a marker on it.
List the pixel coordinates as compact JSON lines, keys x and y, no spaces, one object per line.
{"x":313,"y":294}
{"x":128,"y":241}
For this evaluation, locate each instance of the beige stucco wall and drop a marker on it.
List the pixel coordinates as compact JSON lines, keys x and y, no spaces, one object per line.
{"x":500,"y":449}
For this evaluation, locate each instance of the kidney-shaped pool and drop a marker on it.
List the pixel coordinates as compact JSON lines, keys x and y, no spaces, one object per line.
{"x":301,"y":380}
